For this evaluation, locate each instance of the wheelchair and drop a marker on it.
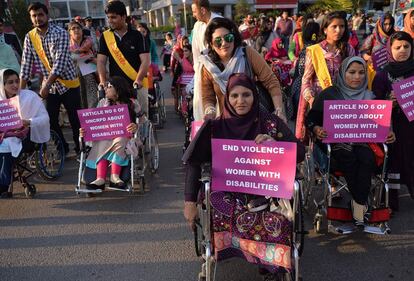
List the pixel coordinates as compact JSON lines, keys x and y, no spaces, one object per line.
{"x":187,"y":99}
{"x":45,"y":159}
{"x":157,"y":109}
{"x":323,"y":183}
{"x":205,"y":242}
{"x":135,"y":172}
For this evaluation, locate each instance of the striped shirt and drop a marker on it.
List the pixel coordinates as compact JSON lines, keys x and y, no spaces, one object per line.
{"x":56,"y":46}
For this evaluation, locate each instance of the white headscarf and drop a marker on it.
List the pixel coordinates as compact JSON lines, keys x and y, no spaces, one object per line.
{"x":31,"y":108}
{"x":8,"y":58}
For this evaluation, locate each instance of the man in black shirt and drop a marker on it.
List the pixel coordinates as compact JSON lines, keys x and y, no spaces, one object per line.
{"x":133,"y":48}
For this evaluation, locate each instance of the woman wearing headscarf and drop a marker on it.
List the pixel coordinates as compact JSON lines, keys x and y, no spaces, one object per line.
{"x":241,"y":119}
{"x":355,"y":160}
{"x":266,"y":36}
{"x":226,"y":56}
{"x":8,"y":57}
{"x":384,"y":28}
{"x":409,"y":22}
{"x":401,"y":161}
{"x":35,"y":121}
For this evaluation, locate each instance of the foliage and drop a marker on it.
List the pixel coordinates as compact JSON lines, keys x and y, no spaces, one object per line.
{"x":242,"y":8}
{"x":332,"y":5}
{"x":163,"y":29}
{"x":19,"y":18}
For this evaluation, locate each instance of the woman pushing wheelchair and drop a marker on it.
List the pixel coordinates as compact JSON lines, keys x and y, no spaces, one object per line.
{"x":241,"y":119}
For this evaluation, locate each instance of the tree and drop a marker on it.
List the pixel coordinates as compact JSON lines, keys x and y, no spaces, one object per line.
{"x":350,"y":6}
{"x":242,"y":8}
{"x":19,"y":18}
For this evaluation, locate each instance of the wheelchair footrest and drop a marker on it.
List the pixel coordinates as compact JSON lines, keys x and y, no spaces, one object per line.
{"x":339,"y":214}
{"x":380,"y":215}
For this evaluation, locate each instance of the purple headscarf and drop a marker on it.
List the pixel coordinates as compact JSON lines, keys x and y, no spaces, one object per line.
{"x":230,"y":125}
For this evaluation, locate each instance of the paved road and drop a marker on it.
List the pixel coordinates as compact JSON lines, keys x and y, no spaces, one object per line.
{"x":62,"y":236}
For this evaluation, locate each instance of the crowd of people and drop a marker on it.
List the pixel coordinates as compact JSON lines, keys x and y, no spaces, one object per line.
{"x":249,"y":82}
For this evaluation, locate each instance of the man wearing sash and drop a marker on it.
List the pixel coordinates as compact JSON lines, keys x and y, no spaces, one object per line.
{"x":127,"y":49}
{"x":47,"y":46}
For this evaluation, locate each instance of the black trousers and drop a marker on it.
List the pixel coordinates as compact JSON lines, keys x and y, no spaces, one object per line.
{"x":71,"y":100}
{"x":358,"y":166}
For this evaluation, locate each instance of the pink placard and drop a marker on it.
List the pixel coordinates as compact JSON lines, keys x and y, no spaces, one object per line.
{"x":195,"y":126}
{"x":9,"y":114}
{"x":404,"y":92}
{"x":356,"y":121}
{"x":266,"y":169}
{"x":379,"y":58}
{"x":104,"y":123}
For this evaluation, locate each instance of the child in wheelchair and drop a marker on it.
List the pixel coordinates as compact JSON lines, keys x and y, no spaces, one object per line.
{"x":113,"y":152}
{"x":355,"y":161}
{"x":35,"y":128}
{"x":254,"y":222}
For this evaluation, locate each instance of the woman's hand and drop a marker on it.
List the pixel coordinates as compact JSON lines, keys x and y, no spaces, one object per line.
{"x":81,"y":132}
{"x":393,"y":98}
{"x":26,"y":123}
{"x":132,"y":128}
{"x":390,"y":138}
{"x":320,"y":132}
{"x":260,"y":138}
{"x":190,"y":213}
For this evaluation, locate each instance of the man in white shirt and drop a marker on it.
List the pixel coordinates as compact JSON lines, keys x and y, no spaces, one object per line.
{"x":247,"y":30}
{"x":201,"y":11}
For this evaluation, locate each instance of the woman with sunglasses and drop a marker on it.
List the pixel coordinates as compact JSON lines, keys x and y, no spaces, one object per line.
{"x":226,"y":56}
{"x":105,"y":152}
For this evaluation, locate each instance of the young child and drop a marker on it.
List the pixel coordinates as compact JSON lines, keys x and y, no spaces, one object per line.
{"x":186,"y":75}
{"x":105,"y":152}
{"x":167,"y":50}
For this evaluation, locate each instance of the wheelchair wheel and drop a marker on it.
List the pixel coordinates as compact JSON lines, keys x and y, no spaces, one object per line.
{"x":308,"y":171}
{"x":161,"y":103}
{"x":154,"y":152}
{"x":50,"y":157}
{"x":29,"y":190}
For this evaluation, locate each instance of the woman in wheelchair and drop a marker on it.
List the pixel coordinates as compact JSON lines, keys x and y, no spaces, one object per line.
{"x":35,"y":121}
{"x":105,"y":152}
{"x":238,"y":214}
{"x":356,"y":161}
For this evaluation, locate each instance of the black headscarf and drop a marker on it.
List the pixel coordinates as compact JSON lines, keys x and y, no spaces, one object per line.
{"x":398,"y":69}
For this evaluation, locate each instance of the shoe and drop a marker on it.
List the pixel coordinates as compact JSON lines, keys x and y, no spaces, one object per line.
{"x":117,"y":185}
{"x":258,"y":204}
{"x":96,"y":184}
{"x":358,"y":213}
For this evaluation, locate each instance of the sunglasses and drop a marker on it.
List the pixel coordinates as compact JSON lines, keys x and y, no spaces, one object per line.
{"x":218,"y":41}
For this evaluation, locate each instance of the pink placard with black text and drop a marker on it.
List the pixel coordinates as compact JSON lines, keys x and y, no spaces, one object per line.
{"x":266,"y":169}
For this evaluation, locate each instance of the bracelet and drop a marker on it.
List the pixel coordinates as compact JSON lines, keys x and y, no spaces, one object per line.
{"x":210,"y":110}
{"x":278,"y":111}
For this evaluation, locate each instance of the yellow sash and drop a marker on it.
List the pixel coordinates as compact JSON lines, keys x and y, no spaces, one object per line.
{"x":119,"y":58}
{"x":371,"y":75}
{"x":319,"y":64}
{"x":37,"y":44}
